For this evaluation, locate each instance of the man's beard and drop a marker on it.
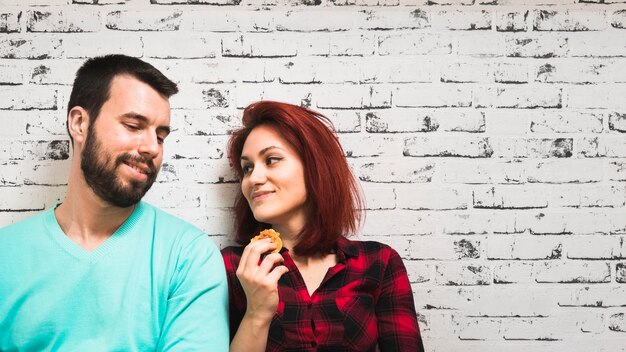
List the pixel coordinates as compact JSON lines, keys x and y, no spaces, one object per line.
{"x":102,"y":178}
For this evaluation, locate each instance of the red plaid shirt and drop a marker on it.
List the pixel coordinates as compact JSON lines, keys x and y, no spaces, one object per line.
{"x":364,"y":301}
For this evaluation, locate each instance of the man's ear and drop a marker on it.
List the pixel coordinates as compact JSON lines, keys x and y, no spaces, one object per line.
{"x":78,"y":124}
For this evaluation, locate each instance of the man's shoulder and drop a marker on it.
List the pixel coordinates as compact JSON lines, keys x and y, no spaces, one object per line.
{"x":29,"y":224}
{"x":166,"y":219}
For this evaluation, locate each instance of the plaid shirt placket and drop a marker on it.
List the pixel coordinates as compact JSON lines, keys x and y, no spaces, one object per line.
{"x":364,"y":300}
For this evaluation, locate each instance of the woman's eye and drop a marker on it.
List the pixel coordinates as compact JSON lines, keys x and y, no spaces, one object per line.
{"x":272,"y":160}
{"x":246,"y":169}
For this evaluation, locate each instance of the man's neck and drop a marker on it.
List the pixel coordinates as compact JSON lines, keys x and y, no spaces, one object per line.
{"x":88,"y":220}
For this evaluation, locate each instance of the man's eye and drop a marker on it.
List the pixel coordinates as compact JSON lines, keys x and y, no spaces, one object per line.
{"x":132,"y":127}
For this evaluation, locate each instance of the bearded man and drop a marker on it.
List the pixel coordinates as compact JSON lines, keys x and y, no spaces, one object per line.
{"x":104,"y":271}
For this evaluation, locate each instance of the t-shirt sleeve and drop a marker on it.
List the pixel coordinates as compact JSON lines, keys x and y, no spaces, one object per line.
{"x":397,"y":320}
{"x":197,"y":306}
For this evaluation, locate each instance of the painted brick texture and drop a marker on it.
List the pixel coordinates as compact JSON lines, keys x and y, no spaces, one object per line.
{"x":489,"y":137}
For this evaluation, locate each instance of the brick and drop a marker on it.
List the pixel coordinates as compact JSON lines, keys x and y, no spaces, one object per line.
{"x":408,"y":171}
{"x":206,"y":123}
{"x":514,"y":272}
{"x":300,"y":20}
{"x":532,"y":147}
{"x":11,"y":74}
{"x":618,"y":19}
{"x":90,"y":45}
{"x":379,"y":198}
{"x":63,"y":21}
{"x":194,"y":147}
{"x":616,"y":171}
{"x":393,"y":18}
{"x":415,"y":44}
{"x":197,"y":171}
{"x":480,"y":44}
{"x":461,"y":20}
{"x":231,"y":20}
{"x":390,"y":222}
{"x":258,"y":45}
{"x":213,"y":70}
{"x":483,"y":222}
{"x":479,"y":171}
{"x":511,"y":73}
{"x":352,"y":97}
{"x":11,"y":172}
{"x":524,"y":247}
{"x":46,"y":173}
{"x":595,"y":247}
{"x":318,"y":71}
{"x":418,"y":271}
{"x":510,"y":197}
{"x":603,"y":146}
{"x":169,"y":45}
{"x":607,"y":96}
{"x":38,"y":123}
{"x":345,"y":121}
{"x":448,"y":146}
{"x":144,"y":20}
{"x":445,"y":248}
{"x":422,"y":197}
{"x":556,"y":327}
{"x":569,"y":20}
{"x":196,"y":2}
{"x":617,"y":121}
{"x":356,"y":146}
{"x":463,"y":72}
{"x":509,"y":122}
{"x":451,"y":2}
{"x":10,"y":21}
{"x":588,"y":196}
{"x":542,"y":45}
{"x":570,"y":222}
{"x":597,"y":44}
{"x":341,"y":44}
{"x":294,"y":94}
{"x":54,"y":72}
{"x":32,"y":198}
{"x":511,"y":21}
{"x":617,"y":322}
{"x":567,"y":122}
{"x":36,"y":48}
{"x":201,"y":97}
{"x":453,"y":274}
{"x":582,"y":71}
{"x":396,"y":70}
{"x":425,"y":120}
{"x":166,"y":196}
{"x":553,"y":272}
{"x":509,"y":301}
{"x":620,"y":273}
{"x":27,"y":98}
{"x":432,"y":95}
{"x":600,"y":296}
{"x":520,"y":97}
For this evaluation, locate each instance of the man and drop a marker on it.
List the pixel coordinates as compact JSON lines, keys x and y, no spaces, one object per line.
{"x":103,"y":271}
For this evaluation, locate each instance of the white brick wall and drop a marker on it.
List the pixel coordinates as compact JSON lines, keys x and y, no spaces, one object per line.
{"x":488,"y":135}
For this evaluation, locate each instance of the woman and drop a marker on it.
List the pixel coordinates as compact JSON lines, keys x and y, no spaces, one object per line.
{"x":321,"y":291}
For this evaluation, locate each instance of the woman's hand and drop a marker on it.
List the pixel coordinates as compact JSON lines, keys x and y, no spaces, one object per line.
{"x":260,"y":282}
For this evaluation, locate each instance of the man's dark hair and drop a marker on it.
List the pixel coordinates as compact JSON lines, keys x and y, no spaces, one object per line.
{"x":93,"y":81}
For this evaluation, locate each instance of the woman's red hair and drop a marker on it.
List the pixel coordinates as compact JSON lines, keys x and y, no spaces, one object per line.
{"x":334,"y":199}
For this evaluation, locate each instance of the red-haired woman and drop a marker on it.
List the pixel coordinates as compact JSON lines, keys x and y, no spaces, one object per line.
{"x":321,"y":292}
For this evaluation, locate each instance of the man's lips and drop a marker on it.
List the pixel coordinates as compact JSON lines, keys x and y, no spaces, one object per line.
{"x":139,"y":167}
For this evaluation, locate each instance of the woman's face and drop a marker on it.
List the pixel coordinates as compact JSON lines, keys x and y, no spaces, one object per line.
{"x":273,"y":179}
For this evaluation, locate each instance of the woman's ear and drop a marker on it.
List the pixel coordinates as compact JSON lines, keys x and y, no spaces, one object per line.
{"x":78,"y":124}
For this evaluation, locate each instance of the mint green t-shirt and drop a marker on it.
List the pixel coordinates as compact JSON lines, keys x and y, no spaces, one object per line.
{"x":157,"y":284}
